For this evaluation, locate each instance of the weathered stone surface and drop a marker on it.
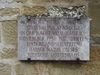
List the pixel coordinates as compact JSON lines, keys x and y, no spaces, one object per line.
{"x":51,"y":1}
{"x":5,"y":69}
{"x":95,"y":39}
{"x":8,"y":18}
{"x":7,"y":53}
{"x":22,"y":1}
{"x":40,"y":1}
{"x":91,"y":69}
{"x":36,"y":68}
{"x":9,"y":11}
{"x":70,"y":12}
{"x":19,"y":70}
{"x":9,"y":32}
{"x":0,"y":32}
{"x":33,"y":10}
{"x":94,"y":12}
{"x":47,"y":68}
{"x":69,"y":1}
{"x":9,"y":14}
{"x":10,"y":4}
{"x":94,"y":1}
{"x":95,"y":53}
{"x":65,"y":68}
{"x":57,"y":68}
{"x":10,"y":8}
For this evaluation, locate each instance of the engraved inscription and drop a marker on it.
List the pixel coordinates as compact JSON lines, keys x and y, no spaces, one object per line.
{"x":48,"y":38}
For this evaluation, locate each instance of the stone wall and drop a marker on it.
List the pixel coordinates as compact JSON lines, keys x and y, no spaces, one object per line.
{"x":9,"y":65}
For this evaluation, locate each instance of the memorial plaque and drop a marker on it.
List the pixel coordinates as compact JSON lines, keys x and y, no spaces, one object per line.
{"x":53,"y":38}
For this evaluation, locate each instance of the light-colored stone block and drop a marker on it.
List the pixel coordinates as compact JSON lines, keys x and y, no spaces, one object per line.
{"x":9,"y":11}
{"x":5,"y":69}
{"x":7,"y":53}
{"x":33,"y":10}
{"x":9,"y":32}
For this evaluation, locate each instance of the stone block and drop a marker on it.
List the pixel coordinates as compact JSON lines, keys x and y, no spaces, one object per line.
{"x":91,"y":69}
{"x":7,"y":53}
{"x":10,"y":4}
{"x":94,"y":12}
{"x":9,"y":32}
{"x":33,"y":10}
{"x":32,"y":68}
{"x":95,"y":53}
{"x":95,"y":40}
{"x":57,"y":68}
{"x":9,"y":11}
{"x":5,"y":69}
{"x":0,"y":32}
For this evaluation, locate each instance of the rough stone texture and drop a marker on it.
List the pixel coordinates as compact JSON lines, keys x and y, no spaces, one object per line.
{"x":8,"y":53}
{"x":40,"y":1}
{"x":94,"y":12}
{"x":10,"y":4}
{"x":5,"y":18}
{"x":95,"y":53}
{"x":31,"y":69}
{"x":70,"y":12}
{"x":33,"y":10}
{"x":57,"y":68}
{"x":0,"y":32}
{"x":59,"y":1}
{"x":95,"y":39}
{"x":46,"y":68}
{"x":5,"y":69}
{"x":22,"y":1}
{"x":9,"y":32}
{"x":9,"y":11}
{"x":91,"y":69}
